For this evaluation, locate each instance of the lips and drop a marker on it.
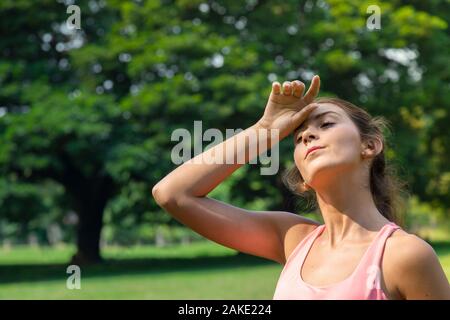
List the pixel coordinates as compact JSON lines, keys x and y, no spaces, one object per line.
{"x":311,"y":150}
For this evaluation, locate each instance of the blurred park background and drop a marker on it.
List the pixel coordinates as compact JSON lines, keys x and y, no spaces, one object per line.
{"x":86,"y":118}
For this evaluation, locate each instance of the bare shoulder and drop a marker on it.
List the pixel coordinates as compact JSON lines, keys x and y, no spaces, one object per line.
{"x":407,"y":250}
{"x":292,"y":229}
{"x":412,"y":267}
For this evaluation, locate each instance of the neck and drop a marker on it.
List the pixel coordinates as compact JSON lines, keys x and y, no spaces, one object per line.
{"x":348,"y":210}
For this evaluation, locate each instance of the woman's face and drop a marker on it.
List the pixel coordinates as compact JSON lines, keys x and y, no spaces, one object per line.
{"x":329,"y":128}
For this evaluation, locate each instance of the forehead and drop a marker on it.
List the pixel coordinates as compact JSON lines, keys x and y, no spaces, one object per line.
{"x":324,"y":109}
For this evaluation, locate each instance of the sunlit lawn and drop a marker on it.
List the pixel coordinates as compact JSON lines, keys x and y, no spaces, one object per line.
{"x":201,"y":270}
{"x":198,"y":271}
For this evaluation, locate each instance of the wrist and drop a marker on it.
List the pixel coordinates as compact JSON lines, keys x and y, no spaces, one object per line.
{"x":266,"y":126}
{"x":262,"y":124}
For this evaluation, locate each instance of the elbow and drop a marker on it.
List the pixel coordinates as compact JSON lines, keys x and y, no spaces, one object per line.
{"x":162,"y":197}
{"x":167,"y":198}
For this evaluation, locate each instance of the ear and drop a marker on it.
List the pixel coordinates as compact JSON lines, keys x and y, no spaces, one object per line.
{"x":371,"y":148}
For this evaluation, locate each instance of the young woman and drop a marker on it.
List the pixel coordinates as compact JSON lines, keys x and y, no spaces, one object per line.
{"x":360,"y":252}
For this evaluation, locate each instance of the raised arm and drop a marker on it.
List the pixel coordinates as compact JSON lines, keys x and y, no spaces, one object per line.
{"x":183,"y":192}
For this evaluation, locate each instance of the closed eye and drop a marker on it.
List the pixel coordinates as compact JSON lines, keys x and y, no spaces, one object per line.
{"x":326,"y":124}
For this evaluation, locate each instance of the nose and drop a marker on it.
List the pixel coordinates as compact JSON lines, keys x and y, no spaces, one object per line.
{"x":308,"y":135}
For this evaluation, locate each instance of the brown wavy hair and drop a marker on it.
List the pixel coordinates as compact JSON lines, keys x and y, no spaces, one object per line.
{"x":388,"y":191}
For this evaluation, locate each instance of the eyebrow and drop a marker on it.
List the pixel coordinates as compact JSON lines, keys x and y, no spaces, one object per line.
{"x":314,"y":118}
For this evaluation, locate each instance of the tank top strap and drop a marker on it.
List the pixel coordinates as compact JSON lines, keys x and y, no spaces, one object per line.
{"x":303,"y":247}
{"x":372,"y":259}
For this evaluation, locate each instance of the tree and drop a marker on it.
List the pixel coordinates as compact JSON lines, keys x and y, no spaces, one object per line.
{"x":91,"y":111}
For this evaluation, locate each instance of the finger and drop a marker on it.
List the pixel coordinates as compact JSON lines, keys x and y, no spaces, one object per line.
{"x":303,"y":114}
{"x":276,"y":88}
{"x":313,"y":90}
{"x":299,"y":88}
{"x":287,"y":88}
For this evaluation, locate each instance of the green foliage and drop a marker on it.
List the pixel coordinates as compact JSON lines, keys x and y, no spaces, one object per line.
{"x":103,"y":110}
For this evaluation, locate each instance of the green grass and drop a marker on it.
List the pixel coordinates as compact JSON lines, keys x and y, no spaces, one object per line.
{"x":201,"y":270}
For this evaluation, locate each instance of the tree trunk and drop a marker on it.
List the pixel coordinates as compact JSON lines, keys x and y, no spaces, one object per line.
{"x":88,"y":236}
{"x":91,"y":203}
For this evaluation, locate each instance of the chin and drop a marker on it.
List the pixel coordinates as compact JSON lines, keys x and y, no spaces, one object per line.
{"x":322,"y":167}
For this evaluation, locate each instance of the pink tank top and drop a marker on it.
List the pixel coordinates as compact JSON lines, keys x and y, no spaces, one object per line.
{"x":363,"y":284}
